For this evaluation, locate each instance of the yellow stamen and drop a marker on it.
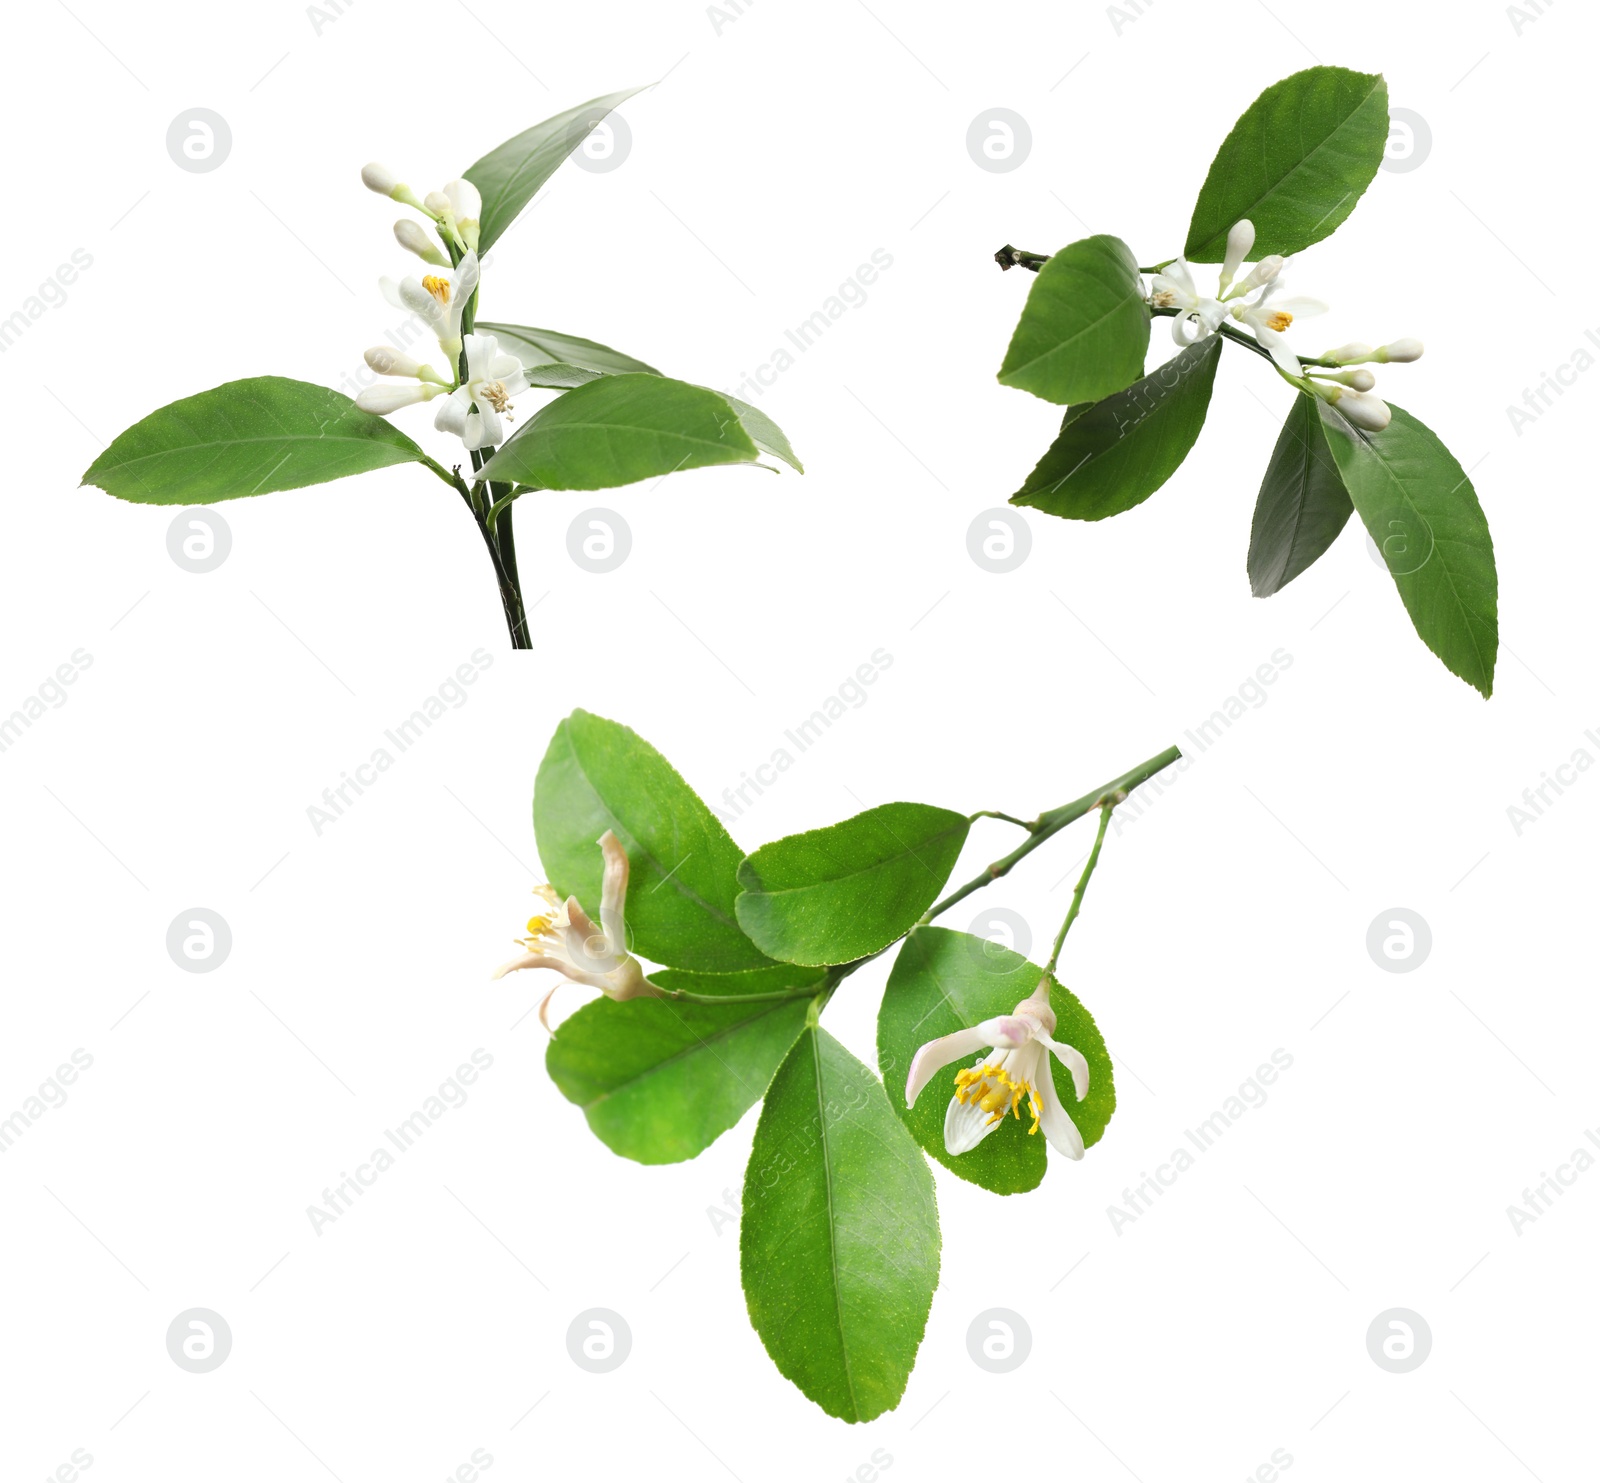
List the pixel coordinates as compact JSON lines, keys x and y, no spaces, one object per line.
{"x":1279,"y":321}
{"x":494,"y":393}
{"x":1162,"y":299}
{"x":438,"y":287}
{"x":993,"y":1090}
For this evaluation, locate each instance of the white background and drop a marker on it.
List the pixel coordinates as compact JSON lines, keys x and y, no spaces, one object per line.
{"x":783,"y":147}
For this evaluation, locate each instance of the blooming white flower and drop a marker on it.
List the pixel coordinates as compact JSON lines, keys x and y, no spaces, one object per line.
{"x":437,"y":300}
{"x":1173,"y":288}
{"x":474,"y":409}
{"x":1268,"y":319}
{"x":1016,"y":1066}
{"x":563,"y":937}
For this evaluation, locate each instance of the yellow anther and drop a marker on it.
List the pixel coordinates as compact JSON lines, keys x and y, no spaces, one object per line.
{"x":494,"y":393}
{"x":1279,"y":321}
{"x":438,"y":287}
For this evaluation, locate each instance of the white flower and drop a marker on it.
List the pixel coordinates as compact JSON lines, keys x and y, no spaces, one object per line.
{"x":564,"y":938}
{"x":437,"y":300}
{"x":1017,"y":1066}
{"x":474,"y":409}
{"x":1268,"y":319}
{"x":1173,"y":288}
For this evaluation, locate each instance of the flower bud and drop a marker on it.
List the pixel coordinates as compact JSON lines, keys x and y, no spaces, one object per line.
{"x":464,"y":199}
{"x":1347,"y":355}
{"x":385,"y":399}
{"x":1399,"y":351}
{"x":379,"y":178}
{"x":1241,"y":238}
{"x":411,"y":237}
{"x":387,"y":361}
{"x":438,"y":203}
{"x":1356,"y":380}
{"x":1364,"y":410}
{"x":1259,"y":276}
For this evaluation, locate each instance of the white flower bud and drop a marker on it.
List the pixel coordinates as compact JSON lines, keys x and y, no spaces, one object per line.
{"x":1400,"y":351}
{"x":437,"y":202}
{"x":1357,"y":380}
{"x":1259,"y":276}
{"x":1364,"y":410}
{"x":385,"y":399}
{"x":379,"y":178}
{"x":1241,"y":238}
{"x":387,"y":361}
{"x":411,"y":237}
{"x":464,"y":200}
{"x":1347,"y":355}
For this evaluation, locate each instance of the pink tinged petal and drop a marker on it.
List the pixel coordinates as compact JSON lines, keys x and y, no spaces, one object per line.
{"x":614,"y":889}
{"x":1056,"y":1125}
{"x":937,"y":1054}
{"x":587,"y":944}
{"x":1073,"y":1060}
{"x":966,"y":1125}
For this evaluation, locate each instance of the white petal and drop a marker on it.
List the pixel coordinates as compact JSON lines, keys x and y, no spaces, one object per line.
{"x":385,"y":399}
{"x":1277,"y":346}
{"x":1179,"y":279}
{"x":464,"y":200}
{"x":501,"y":367}
{"x":966,"y":1125}
{"x":391,"y":291}
{"x":937,"y":1054}
{"x":1073,"y":1060}
{"x":1055,"y":1124}
{"x":452,"y":414}
{"x":491,"y":430}
{"x":1301,"y":308}
{"x":1241,"y":238}
{"x":587,"y":944}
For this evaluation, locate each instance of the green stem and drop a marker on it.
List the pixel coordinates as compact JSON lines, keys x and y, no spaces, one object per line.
{"x":1041,"y":829}
{"x":1049,"y":824}
{"x":994,"y":813}
{"x":1083,"y":882}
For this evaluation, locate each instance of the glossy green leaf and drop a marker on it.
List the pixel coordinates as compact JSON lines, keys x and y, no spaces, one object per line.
{"x":764,"y":432}
{"x":660,"y":1080}
{"x":599,"y":775}
{"x":556,"y":375}
{"x":1115,"y":454}
{"x":839,"y":1241}
{"x":1295,"y":164}
{"x":620,"y":429}
{"x":1303,"y":504}
{"x":538,"y":347}
{"x":1085,"y":327}
{"x":944,"y":981}
{"x":246,"y":437}
{"x":1422,"y":513}
{"x":836,"y":894}
{"x":508,"y":177}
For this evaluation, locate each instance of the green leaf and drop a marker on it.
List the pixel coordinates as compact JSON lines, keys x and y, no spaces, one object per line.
{"x":1085,"y":327}
{"x":944,"y":981}
{"x":598,"y":775}
{"x":1303,"y":504}
{"x":1115,"y":454}
{"x":1423,"y":514}
{"x":764,"y":432}
{"x":621,"y":429}
{"x":557,"y":375}
{"x":1295,"y":164}
{"x":839,"y":1243}
{"x":660,"y":1081}
{"x":254,"y":436}
{"x":834,"y":895}
{"x":508,"y":177}
{"x":539,"y":347}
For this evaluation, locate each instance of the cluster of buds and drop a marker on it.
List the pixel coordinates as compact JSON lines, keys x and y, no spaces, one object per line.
{"x":454,"y":211}
{"x":1351,"y":391}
